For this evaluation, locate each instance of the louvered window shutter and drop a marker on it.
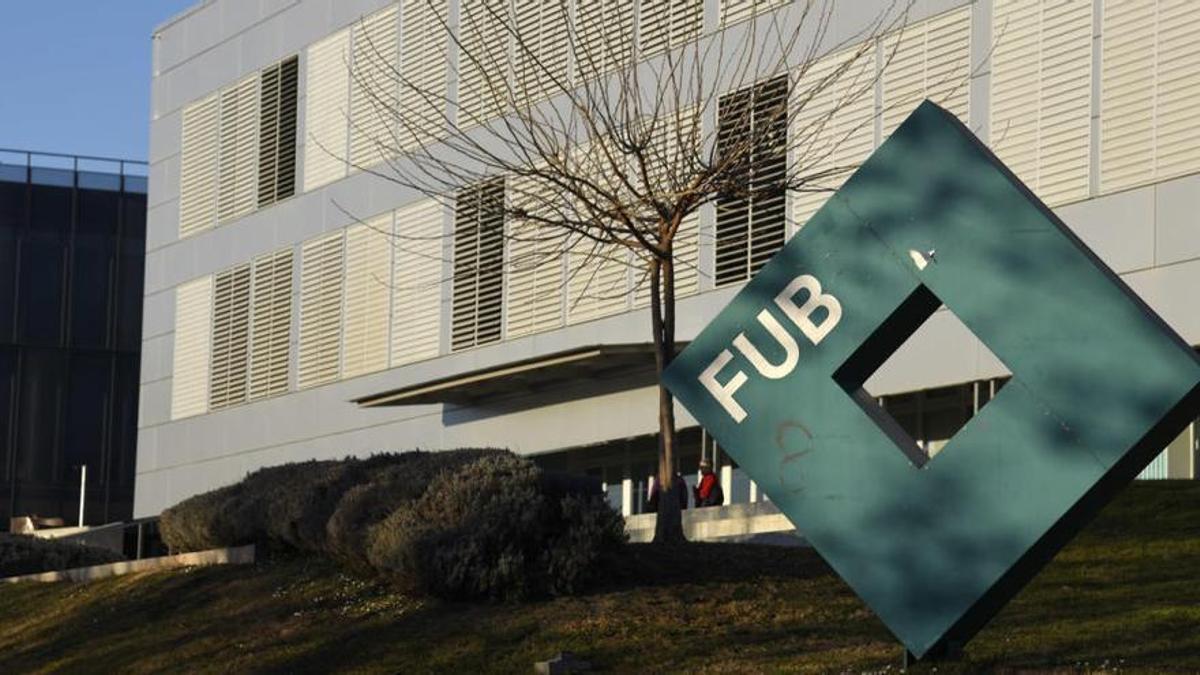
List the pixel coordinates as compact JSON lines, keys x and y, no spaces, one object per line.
{"x":422,"y":97}
{"x":668,"y":24}
{"x":533,"y":301}
{"x":231,"y":337}
{"x":604,"y":37}
{"x":277,"y":132}
{"x":733,"y":11}
{"x":374,"y":87}
{"x":193,"y":333}
{"x":198,"y":166}
{"x":271,"y":322}
{"x":540,"y":55}
{"x":237,"y":163}
{"x":930,"y":59}
{"x":417,"y":282}
{"x":1041,"y":95}
{"x":1149,"y":92}
{"x":833,"y":129}
{"x":752,"y":221}
{"x":478,"y":264}
{"x":326,"y":110}
{"x":367,"y":280}
{"x":483,"y":68}
{"x":321,"y":268}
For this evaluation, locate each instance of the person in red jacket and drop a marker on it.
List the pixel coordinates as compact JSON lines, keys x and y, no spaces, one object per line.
{"x":708,"y":492}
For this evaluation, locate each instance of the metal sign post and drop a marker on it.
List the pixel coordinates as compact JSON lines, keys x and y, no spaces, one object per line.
{"x":1100,"y":384}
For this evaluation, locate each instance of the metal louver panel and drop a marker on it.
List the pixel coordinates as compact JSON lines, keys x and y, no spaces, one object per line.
{"x":533,"y":302}
{"x":367,"y":291}
{"x":833,"y":130}
{"x":326,"y":113}
{"x":193,"y":331}
{"x":604,"y":37}
{"x":478,"y":265}
{"x":668,"y":24}
{"x":421,"y":103}
{"x":1041,"y":95}
{"x":1149,"y":92}
{"x":277,"y":132}
{"x":271,"y":321}
{"x":237,"y":164}
{"x":930,"y":59}
{"x":319,"y":359}
{"x":417,"y":282}
{"x":751,"y":226}
{"x":198,"y":166}
{"x":1177,"y":96}
{"x":374,"y":87}
{"x":540,"y":53}
{"x":733,"y":11}
{"x":482,"y":60}
{"x":597,"y":280}
{"x":231,"y":337}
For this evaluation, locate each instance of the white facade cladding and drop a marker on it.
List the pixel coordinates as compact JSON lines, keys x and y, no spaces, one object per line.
{"x":283,"y":284}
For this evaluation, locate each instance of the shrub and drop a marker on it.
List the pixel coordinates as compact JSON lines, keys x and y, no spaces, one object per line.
{"x":22,"y":554}
{"x":494,"y":529}
{"x":385,"y":489}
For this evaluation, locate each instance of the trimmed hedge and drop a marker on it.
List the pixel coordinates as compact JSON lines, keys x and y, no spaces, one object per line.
{"x":472,"y":523}
{"x":24,"y":554}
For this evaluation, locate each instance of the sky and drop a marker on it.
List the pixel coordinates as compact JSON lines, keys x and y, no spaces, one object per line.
{"x":87,"y":90}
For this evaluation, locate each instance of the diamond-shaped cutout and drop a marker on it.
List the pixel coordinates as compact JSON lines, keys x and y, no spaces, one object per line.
{"x":923,"y":423}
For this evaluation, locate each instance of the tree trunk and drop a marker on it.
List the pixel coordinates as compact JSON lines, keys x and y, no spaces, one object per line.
{"x":668,"y":526}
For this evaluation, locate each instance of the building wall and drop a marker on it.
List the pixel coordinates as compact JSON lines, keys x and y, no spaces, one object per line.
{"x":1058,"y":115}
{"x":71,"y":259}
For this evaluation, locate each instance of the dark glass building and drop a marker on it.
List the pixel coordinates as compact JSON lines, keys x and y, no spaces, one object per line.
{"x":72,"y":249}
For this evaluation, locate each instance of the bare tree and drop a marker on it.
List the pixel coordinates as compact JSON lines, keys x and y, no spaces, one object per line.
{"x":610,"y":141}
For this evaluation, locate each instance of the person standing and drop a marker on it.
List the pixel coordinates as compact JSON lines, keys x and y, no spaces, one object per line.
{"x":708,"y":492}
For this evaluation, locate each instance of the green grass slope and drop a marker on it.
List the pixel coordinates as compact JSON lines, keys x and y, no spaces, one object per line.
{"x":1125,"y":596}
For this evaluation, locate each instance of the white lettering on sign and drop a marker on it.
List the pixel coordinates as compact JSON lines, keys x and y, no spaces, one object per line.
{"x":800,"y":315}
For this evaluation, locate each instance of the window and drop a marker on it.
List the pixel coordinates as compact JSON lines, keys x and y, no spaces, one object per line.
{"x":417,"y":282}
{"x":93,"y":268}
{"x":751,"y":221}
{"x":478,"y":264}
{"x":1148,"y":96}
{"x":277,"y":132}
{"x":40,"y":305}
{"x":368,"y":265}
{"x":230,"y":337}
{"x":733,"y":11}
{"x":373,"y":87}
{"x":193,"y":332}
{"x":270,"y":324}
{"x":604,"y":31}
{"x":238,"y":148}
{"x":1041,"y":95}
{"x":327,"y":97}
{"x":321,"y":272}
{"x":668,"y":24}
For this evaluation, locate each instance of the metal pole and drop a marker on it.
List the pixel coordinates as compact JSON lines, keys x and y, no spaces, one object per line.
{"x":82,"y":490}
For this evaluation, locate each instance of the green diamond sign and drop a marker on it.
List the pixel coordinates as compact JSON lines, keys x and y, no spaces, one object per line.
{"x":1099,"y":383}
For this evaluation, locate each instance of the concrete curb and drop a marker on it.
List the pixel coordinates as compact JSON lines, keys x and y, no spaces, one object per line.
{"x":238,"y":555}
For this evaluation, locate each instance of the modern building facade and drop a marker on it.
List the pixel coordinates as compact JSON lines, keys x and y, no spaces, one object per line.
{"x":72,"y":246}
{"x":283,"y":321}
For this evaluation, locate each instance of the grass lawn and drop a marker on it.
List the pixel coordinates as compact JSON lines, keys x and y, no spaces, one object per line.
{"x":1125,"y":596}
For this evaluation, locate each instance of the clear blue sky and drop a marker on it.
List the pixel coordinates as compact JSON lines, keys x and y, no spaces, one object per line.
{"x":87,"y":90}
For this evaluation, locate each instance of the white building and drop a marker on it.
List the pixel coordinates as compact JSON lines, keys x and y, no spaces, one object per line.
{"x":277,"y":328}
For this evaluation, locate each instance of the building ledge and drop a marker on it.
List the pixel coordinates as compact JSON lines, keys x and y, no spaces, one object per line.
{"x":533,"y":374}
